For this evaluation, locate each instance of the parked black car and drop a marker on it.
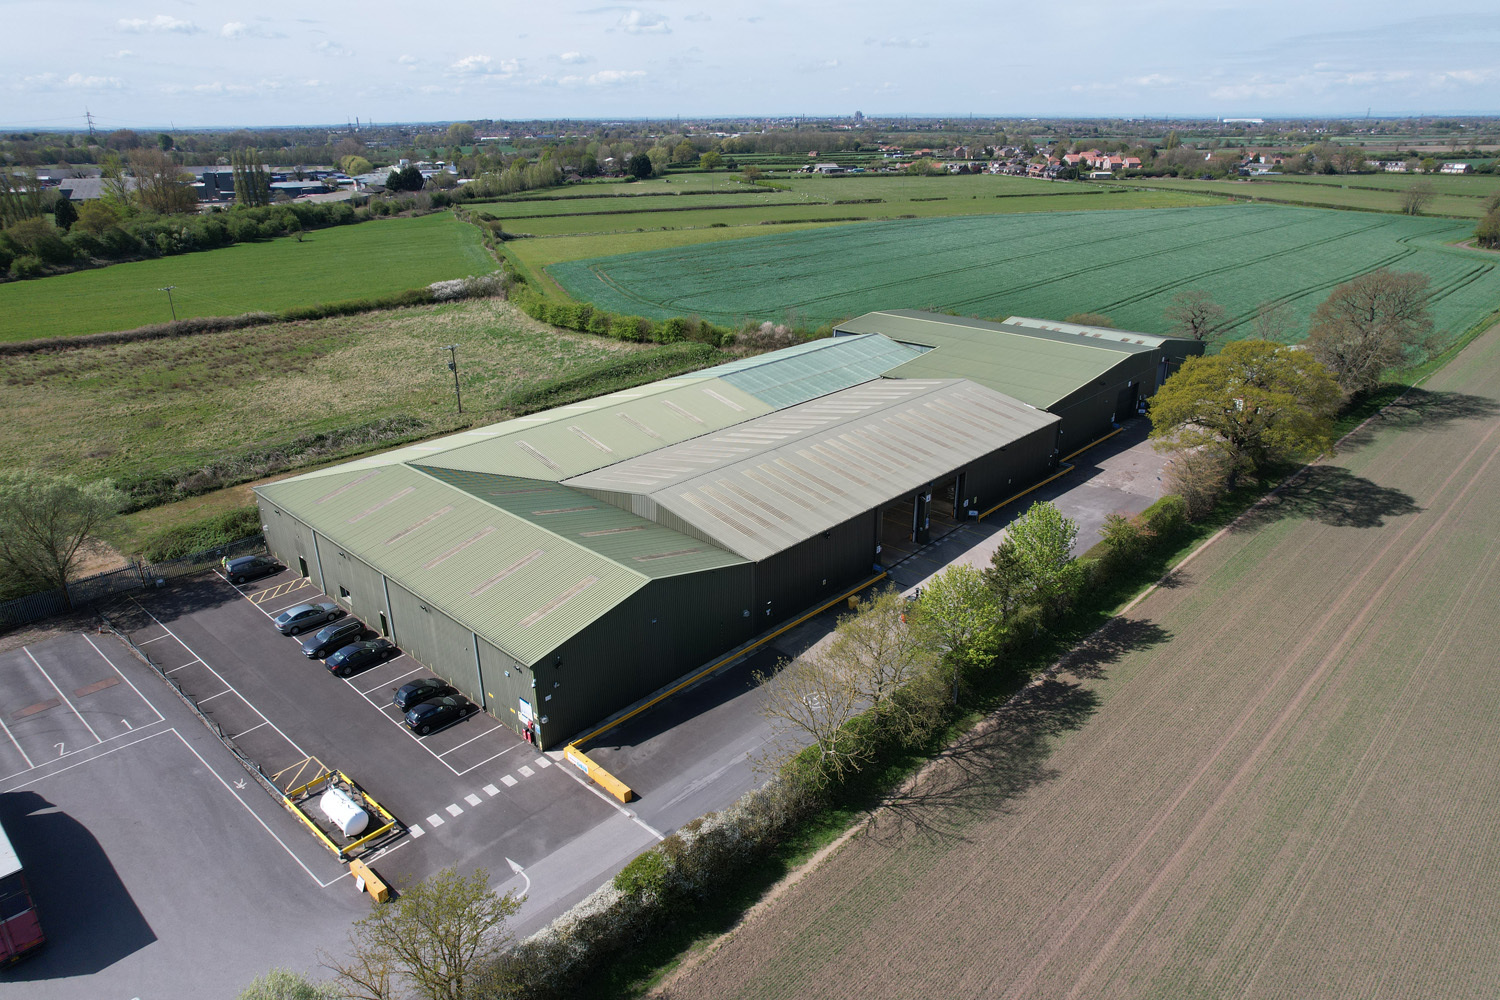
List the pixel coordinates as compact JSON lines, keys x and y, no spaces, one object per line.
{"x":331,"y":637}
{"x":249,"y":567}
{"x":306,"y":616}
{"x":357,"y":656}
{"x":409,"y":696}
{"x":437,"y":713}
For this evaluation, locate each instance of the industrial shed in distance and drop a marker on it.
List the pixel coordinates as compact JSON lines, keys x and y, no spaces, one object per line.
{"x":1090,"y":376}
{"x":559,"y":566}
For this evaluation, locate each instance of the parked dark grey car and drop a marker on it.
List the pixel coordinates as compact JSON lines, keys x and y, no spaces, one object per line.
{"x":306,"y":616}
{"x":249,"y":567}
{"x":413,"y":693}
{"x":331,"y":637}
{"x":356,"y":656}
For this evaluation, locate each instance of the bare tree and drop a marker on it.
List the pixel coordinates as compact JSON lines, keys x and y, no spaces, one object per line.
{"x":811,"y":700}
{"x":45,"y":521}
{"x":441,"y":938}
{"x":1194,"y":315}
{"x":1377,"y":321}
{"x":1199,"y":476}
{"x":881,"y":653}
{"x":1274,"y":322}
{"x":1416,"y":197}
{"x":161,"y":185}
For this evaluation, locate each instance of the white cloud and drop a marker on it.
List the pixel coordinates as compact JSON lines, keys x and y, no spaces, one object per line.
{"x":234,"y":29}
{"x":573,"y":58}
{"x":697,"y":18}
{"x":239,"y":29}
{"x":898,"y":43}
{"x":122,"y":54}
{"x":614,"y":77}
{"x":332,"y":49}
{"x":406,"y":60}
{"x":93,"y":82}
{"x":640,"y":22}
{"x":161,"y":22}
{"x":481,"y":65}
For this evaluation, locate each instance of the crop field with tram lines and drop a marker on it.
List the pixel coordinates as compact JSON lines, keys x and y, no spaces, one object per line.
{"x":1263,"y":781}
{"x":1125,"y":264}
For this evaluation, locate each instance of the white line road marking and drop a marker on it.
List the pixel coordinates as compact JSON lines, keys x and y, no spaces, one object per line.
{"x":391,"y":681}
{"x":127,"y":680}
{"x":272,"y":614}
{"x":466,"y":742}
{"x":189,"y":663}
{"x":497,"y":756}
{"x":543,"y":762}
{"x":490,"y":790}
{"x":508,"y":781}
{"x":145,"y":642}
{"x":251,"y":729}
{"x":230,"y":686}
{"x":415,"y":831}
{"x":607,"y":800}
{"x":63,"y":696}
{"x":213,"y":696}
{"x":435,"y":820}
{"x":525,"y":771}
{"x":454,"y":810}
{"x":27,"y":759}
{"x":472,"y":799}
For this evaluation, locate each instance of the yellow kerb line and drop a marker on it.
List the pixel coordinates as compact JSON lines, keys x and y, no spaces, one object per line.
{"x":578,"y":743}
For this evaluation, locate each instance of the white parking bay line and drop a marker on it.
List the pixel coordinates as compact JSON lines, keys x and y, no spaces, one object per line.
{"x":253,"y":729}
{"x":472,"y":799}
{"x":213,"y":696}
{"x":435,"y":820}
{"x":415,"y":831}
{"x":491,"y":790}
{"x":467,"y":742}
{"x":508,"y":781}
{"x":455,"y":810}
{"x":63,"y":696}
{"x":189,"y":663}
{"x":525,"y":771}
{"x":392,"y":680}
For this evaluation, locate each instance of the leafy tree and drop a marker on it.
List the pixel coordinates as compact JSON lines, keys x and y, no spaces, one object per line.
{"x":441,"y":938}
{"x":710,"y":160}
{"x":640,"y":166}
{"x":881,"y":654}
{"x":1429,"y":165}
{"x":252,"y":184}
{"x":589,"y":166}
{"x":753,"y":174}
{"x":353,"y":164}
{"x":161,"y":186}
{"x":1194,"y":315}
{"x":164,"y":141}
{"x":284,"y":984}
{"x":122,"y":139}
{"x":407,"y":178}
{"x":461,"y":134}
{"x":684,"y":152}
{"x":1416,"y":197}
{"x":96,"y":216}
{"x":1253,"y":403}
{"x":958,"y":619}
{"x":20,"y":196}
{"x":45,"y":521}
{"x":1374,"y":322}
{"x":1487,"y":233}
{"x":661,"y":159}
{"x":1037,"y":566}
{"x":64,"y":214}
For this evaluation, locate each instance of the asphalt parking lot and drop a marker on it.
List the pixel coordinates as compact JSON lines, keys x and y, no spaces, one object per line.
{"x":158,"y":868}
{"x":473,"y":794}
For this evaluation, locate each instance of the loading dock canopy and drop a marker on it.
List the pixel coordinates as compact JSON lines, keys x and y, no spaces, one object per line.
{"x":524,"y":587}
{"x":765,"y":485}
{"x":1037,"y":366}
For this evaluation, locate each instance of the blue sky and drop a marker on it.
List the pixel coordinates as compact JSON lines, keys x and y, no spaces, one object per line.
{"x":170,"y":62}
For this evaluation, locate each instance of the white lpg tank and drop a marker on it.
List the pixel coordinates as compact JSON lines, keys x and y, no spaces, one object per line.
{"x":343,"y":812}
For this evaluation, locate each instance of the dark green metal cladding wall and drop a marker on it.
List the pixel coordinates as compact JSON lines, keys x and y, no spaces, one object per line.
{"x":1002,"y":474}
{"x":1089,"y":413}
{"x":814,"y":571}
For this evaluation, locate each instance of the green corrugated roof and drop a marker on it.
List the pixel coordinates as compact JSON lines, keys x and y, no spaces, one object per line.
{"x":1032,"y":365}
{"x":807,"y":371}
{"x":616,"y":534}
{"x":1102,"y":335}
{"x":525,"y":589}
{"x":573,"y":439}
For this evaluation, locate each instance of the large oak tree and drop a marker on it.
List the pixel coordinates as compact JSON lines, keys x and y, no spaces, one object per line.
{"x":1376,"y":322}
{"x":1253,"y":403}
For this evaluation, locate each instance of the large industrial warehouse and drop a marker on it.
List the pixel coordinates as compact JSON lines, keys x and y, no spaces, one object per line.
{"x":558,"y":567}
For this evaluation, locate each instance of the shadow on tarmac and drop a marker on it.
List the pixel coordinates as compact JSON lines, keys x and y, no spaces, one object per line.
{"x":90,"y":919}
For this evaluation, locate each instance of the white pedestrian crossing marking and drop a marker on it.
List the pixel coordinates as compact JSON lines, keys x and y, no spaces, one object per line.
{"x":508,"y":781}
{"x":525,"y":771}
{"x":491,"y":790}
{"x":434,"y":820}
{"x":543,"y":762}
{"x":472,"y":800}
{"x":455,"y":810}
{"x":415,"y":831}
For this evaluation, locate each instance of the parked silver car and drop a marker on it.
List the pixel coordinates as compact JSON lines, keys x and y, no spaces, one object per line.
{"x":306,"y":616}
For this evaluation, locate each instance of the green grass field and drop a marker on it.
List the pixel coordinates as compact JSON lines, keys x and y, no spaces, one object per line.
{"x":330,"y":265}
{"x":1127,"y":265}
{"x":1304,"y":191}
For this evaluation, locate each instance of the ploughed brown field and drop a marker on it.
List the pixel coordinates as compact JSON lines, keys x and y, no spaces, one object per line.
{"x":1278,"y":777}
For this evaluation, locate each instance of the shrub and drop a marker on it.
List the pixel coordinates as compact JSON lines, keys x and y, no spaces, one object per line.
{"x":1167,"y":516}
{"x":206,"y":533}
{"x":27,"y":266}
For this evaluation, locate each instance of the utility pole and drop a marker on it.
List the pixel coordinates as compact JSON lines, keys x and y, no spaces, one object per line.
{"x":170,"y":303}
{"x":89,"y":117}
{"x":452,"y":350}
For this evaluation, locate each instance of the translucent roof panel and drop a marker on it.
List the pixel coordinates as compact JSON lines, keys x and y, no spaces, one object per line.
{"x":807,"y":371}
